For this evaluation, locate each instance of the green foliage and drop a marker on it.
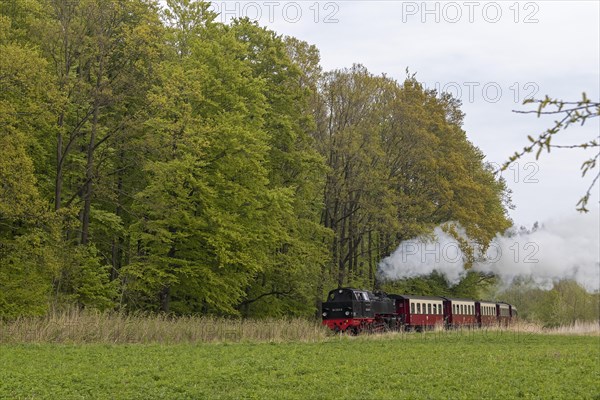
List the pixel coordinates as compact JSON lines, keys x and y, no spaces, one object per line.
{"x":40,"y":268}
{"x":473,"y":285}
{"x":25,"y":276}
{"x":189,"y":166}
{"x":25,"y":280}
{"x":566,"y":303}
{"x":288,"y":280}
{"x":433,"y":285}
{"x":211,"y":218}
{"x":83,"y":280}
{"x":400,"y":164}
{"x":24,"y":119}
{"x":40,"y":264}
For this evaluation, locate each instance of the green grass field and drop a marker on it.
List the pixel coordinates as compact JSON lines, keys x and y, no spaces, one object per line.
{"x":480,"y":365}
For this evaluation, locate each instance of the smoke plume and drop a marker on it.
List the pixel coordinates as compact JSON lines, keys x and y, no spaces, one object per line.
{"x":566,"y":248}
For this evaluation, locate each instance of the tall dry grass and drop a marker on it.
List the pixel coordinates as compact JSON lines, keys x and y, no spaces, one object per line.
{"x":85,"y":326}
{"x":577,"y":328}
{"x":590,"y":328}
{"x":76,"y":326}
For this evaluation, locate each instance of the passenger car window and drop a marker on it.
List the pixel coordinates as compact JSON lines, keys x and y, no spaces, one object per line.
{"x":412,"y":308}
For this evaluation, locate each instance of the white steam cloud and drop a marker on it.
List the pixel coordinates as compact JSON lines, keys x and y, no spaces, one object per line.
{"x":422,"y":256}
{"x":567,"y":248}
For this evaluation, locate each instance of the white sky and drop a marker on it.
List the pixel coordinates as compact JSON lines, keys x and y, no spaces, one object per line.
{"x":541,"y":47}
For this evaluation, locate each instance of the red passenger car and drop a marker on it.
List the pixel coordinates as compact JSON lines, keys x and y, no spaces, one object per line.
{"x":419,"y":312}
{"x":459,"y":312}
{"x":485,"y":312}
{"x":503,"y":312}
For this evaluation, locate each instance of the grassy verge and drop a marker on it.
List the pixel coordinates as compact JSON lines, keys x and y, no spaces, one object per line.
{"x":75,"y":326}
{"x":81,"y":327}
{"x":444,"y":365}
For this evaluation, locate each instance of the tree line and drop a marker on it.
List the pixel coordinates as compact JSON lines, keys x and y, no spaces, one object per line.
{"x":156,"y":159}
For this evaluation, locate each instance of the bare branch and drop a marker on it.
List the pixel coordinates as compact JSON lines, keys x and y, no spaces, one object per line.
{"x":572,"y":112}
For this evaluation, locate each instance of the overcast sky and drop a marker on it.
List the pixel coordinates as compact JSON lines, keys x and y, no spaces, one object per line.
{"x":492,"y":55}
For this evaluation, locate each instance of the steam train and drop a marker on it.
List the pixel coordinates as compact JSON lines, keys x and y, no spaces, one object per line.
{"x":353,"y":311}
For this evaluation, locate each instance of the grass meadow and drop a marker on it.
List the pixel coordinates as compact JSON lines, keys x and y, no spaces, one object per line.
{"x":289,"y":360}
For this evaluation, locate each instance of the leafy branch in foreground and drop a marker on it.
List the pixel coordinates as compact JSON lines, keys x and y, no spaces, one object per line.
{"x":570,"y":112}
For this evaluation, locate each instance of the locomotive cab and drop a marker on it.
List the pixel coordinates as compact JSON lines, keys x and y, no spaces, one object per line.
{"x":346,"y":303}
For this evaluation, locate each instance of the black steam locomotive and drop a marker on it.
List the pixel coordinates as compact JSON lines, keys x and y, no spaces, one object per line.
{"x":354,"y":311}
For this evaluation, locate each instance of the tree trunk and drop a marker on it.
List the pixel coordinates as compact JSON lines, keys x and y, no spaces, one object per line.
{"x":117,"y":242}
{"x":89,"y":175}
{"x":64,"y":16}
{"x":340,"y":250}
{"x":165,"y":293}
{"x":165,"y":298}
{"x":89,"y":172}
{"x":370,"y":255}
{"x":59,"y":173}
